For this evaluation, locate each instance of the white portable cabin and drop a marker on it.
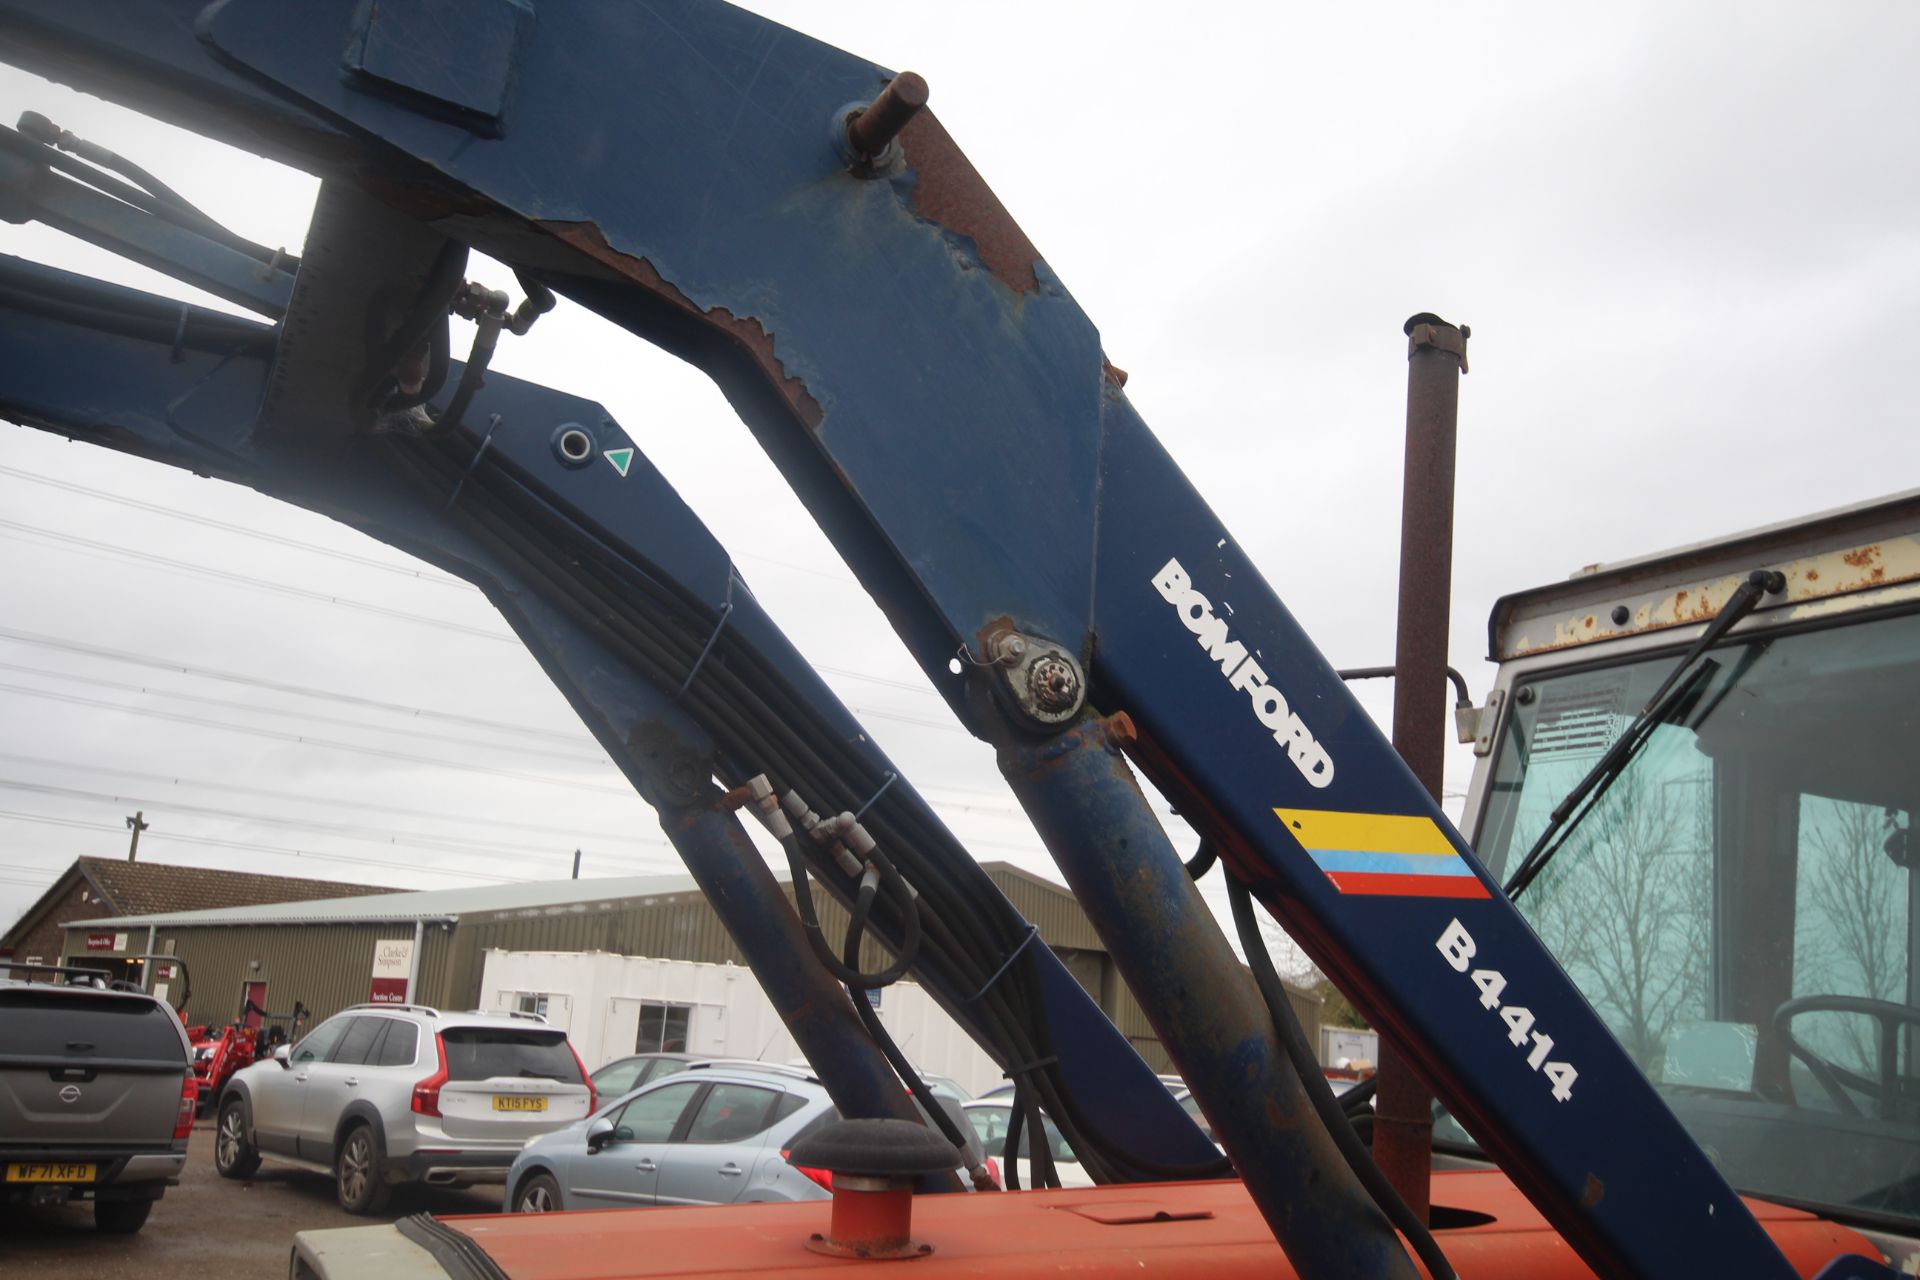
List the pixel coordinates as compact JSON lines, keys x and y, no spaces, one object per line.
{"x":599,"y":999}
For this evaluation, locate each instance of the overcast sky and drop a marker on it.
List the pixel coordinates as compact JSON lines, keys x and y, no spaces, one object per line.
{"x":1684,"y":237}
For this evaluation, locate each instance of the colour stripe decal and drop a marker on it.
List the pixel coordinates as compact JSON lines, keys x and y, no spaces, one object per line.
{"x":1383,"y":854}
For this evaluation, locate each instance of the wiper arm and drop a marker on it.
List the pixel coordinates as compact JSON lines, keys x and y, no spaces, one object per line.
{"x":1615,"y":760}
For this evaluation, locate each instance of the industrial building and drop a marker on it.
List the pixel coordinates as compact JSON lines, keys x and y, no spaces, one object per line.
{"x":432,"y":947}
{"x":112,"y":887}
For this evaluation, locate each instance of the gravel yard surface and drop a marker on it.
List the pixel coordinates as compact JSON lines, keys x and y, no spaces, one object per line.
{"x":207,"y":1228}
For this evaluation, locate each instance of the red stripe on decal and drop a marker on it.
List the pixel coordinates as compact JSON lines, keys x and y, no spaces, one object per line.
{"x":1396,"y":886}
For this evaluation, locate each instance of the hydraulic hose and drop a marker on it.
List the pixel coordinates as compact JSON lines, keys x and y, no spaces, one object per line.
{"x":847,"y":971}
{"x":761,"y":725}
{"x":1010,"y":1149}
{"x":1325,"y":1105}
{"x":416,"y":325}
{"x":870,"y":1018}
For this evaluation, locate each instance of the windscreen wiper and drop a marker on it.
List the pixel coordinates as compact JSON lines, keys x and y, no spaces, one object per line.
{"x":1585,"y":795}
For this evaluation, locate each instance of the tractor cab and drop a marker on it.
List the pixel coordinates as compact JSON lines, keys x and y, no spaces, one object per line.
{"x":1728,"y":876}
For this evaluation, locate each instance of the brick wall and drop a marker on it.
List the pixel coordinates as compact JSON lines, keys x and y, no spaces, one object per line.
{"x":45,"y":938}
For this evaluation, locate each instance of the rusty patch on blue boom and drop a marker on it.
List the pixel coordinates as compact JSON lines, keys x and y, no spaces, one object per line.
{"x":747,"y":331}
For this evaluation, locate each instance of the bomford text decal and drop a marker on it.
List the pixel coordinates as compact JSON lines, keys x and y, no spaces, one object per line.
{"x":1245,"y":674}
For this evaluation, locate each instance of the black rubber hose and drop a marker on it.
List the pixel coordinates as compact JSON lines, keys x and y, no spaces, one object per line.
{"x":474,"y":375}
{"x":1010,"y":1149}
{"x":870,"y":1018}
{"x":1202,"y":860}
{"x":1320,"y":1094}
{"x":1025,"y":1027}
{"x":202,"y":330}
{"x":1039,"y":1151}
{"x":560,"y":574}
{"x":844,"y":971}
{"x":1008,"y":1011}
{"x":538,"y":302}
{"x":181,"y":215}
{"x":439,"y":362}
{"x":430,"y":305}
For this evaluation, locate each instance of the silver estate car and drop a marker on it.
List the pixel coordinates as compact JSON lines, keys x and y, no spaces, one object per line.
{"x":708,"y":1135}
{"x":383,"y":1094}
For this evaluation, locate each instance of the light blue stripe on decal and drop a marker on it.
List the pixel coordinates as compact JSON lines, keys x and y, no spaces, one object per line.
{"x":1400,"y":864}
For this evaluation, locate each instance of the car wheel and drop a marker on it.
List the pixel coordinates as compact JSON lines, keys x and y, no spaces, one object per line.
{"x":233,"y":1155}
{"x":121,"y":1217}
{"x":538,"y":1194}
{"x":356,"y":1173}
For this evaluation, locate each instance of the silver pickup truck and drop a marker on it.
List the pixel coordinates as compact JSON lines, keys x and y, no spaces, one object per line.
{"x":96,"y":1097}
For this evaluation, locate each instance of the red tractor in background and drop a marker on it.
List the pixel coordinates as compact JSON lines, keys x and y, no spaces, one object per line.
{"x":218,"y":1052}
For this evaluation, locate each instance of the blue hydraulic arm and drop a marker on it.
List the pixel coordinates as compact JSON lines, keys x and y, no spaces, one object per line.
{"x":946,"y":413}
{"x":182,"y":385}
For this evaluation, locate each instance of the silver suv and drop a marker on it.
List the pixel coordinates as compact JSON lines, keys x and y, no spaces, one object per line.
{"x":96,"y":1096}
{"x":384,"y":1094}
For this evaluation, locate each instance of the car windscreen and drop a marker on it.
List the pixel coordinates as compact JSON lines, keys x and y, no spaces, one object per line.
{"x":482,"y":1053}
{"x":76,"y":1026}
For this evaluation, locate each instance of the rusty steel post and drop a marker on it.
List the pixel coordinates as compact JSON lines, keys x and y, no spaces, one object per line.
{"x":869,"y":132}
{"x":1436,"y":357}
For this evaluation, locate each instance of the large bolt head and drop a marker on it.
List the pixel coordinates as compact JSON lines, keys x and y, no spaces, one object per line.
{"x":1052,"y":684}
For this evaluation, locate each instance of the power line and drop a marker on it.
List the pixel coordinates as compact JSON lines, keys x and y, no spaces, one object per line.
{"x":367,"y":806}
{"x":67,"y":540}
{"x":43,"y":641}
{"x":350,"y":831}
{"x":306,"y":741}
{"x":943,"y":725}
{"x":45,"y":820}
{"x":37,"y":477}
{"x":314,"y":717}
{"x":59,"y":539}
{"x":261,"y":535}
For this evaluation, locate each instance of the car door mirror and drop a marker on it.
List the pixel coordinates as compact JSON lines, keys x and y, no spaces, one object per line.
{"x":283,"y":1054}
{"x":599,"y":1134}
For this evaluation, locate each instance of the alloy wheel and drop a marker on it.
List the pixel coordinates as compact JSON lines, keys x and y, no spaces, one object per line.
{"x":355,"y":1166}
{"x":228,"y":1148}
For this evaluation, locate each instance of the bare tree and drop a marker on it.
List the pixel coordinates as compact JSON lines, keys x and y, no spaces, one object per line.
{"x":1626,"y":907}
{"x":1849,"y":923}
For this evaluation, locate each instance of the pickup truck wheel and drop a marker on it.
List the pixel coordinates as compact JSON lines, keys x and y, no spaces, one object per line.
{"x":233,"y":1155}
{"x":356,"y":1173}
{"x":121,"y":1217}
{"x":538,"y":1194}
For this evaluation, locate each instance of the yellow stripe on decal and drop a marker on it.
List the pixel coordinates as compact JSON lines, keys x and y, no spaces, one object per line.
{"x":1364,"y":832}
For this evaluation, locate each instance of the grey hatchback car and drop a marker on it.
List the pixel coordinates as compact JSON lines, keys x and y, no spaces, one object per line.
{"x":707,"y":1135}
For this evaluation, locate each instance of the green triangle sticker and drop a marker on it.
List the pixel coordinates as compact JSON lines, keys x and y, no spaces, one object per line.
{"x":622,"y":460}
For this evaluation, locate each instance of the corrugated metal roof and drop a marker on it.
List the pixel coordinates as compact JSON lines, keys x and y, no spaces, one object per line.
{"x":427,"y":904}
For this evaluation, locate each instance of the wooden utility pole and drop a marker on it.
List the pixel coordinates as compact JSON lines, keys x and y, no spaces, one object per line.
{"x":136,"y":824}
